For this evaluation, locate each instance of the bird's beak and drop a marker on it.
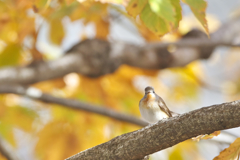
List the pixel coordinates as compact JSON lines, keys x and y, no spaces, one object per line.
{"x":149,"y":92}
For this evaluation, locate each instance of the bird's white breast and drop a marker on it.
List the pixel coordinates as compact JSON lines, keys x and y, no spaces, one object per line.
{"x":151,"y":111}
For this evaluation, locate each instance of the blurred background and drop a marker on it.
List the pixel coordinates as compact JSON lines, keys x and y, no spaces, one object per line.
{"x":43,"y":30}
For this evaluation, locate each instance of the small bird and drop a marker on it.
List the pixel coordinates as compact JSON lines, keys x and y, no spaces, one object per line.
{"x":152,"y":107}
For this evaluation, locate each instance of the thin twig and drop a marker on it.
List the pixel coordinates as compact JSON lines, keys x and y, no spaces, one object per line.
{"x":6,"y":150}
{"x":37,"y":94}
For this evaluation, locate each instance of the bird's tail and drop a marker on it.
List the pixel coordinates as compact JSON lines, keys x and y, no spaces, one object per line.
{"x":174,"y":114}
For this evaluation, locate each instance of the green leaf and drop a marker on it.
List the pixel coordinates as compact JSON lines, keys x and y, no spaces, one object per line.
{"x":155,"y":23}
{"x":164,"y":9}
{"x":198,"y":8}
{"x":40,"y":3}
{"x":56,"y":31}
{"x":135,"y":7}
{"x":65,"y":11}
{"x":21,"y":117}
{"x":7,"y":133}
{"x":10,"y":55}
{"x":178,"y":12}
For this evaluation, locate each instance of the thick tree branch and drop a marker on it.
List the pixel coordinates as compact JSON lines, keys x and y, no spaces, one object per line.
{"x":166,"y":133}
{"x":38,"y":95}
{"x":95,"y":57}
{"x":173,"y":131}
{"x":149,"y":56}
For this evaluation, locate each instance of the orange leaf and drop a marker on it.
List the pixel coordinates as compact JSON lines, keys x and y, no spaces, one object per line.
{"x":230,"y":153}
{"x":56,"y":31}
{"x":206,"y":136}
{"x":102,"y":29}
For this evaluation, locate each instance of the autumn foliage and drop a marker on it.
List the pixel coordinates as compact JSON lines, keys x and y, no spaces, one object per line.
{"x":57,"y":132}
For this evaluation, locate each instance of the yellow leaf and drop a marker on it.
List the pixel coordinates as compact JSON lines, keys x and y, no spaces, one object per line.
{"x":92,"y":11}
{"x":10,"y":55}
{"x":230,"y":153}
{"x":111,"y":1}
{"x":66,"y":141}
{"x":56,"y":31}
{"x":81,"y":132}
{"x":135,"y":7}
{"x":185,"y":150}
{"x":50,"y":85}
{"x":41,"y":3}
{"x":18,"y":116}
{"x":70,"y":1}
{"x":147,"y":34}
{"x":7,"y":133}
{"x":2,"y":157}
{"x":102,"y":29}
{"x":176,"y":154}
{"x":3,"y":107}
{"x":28,"y":23}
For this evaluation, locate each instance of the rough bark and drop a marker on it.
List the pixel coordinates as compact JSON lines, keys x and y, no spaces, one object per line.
{"x":166,"y":133}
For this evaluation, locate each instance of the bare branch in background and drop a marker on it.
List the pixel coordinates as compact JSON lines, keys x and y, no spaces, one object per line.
{"x":95,"y":57}
{"x":38,"y":95}
{"x":166,"y":133}
{"x":6,"y":150}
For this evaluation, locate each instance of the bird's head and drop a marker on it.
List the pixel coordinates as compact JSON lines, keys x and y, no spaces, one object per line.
{"x":149,"y":90}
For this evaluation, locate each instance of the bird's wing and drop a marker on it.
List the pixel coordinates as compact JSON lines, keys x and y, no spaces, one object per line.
{"x":162,"y":105}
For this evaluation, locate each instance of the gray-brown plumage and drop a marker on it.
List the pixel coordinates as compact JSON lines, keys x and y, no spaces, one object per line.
{"x":152,"y":107}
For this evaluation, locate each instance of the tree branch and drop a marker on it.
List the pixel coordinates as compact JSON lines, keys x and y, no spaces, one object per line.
{"x":6,"y":150}
{"x":36,"y":94}
{"x":95,"y":57}
{"x":166,"y":133}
